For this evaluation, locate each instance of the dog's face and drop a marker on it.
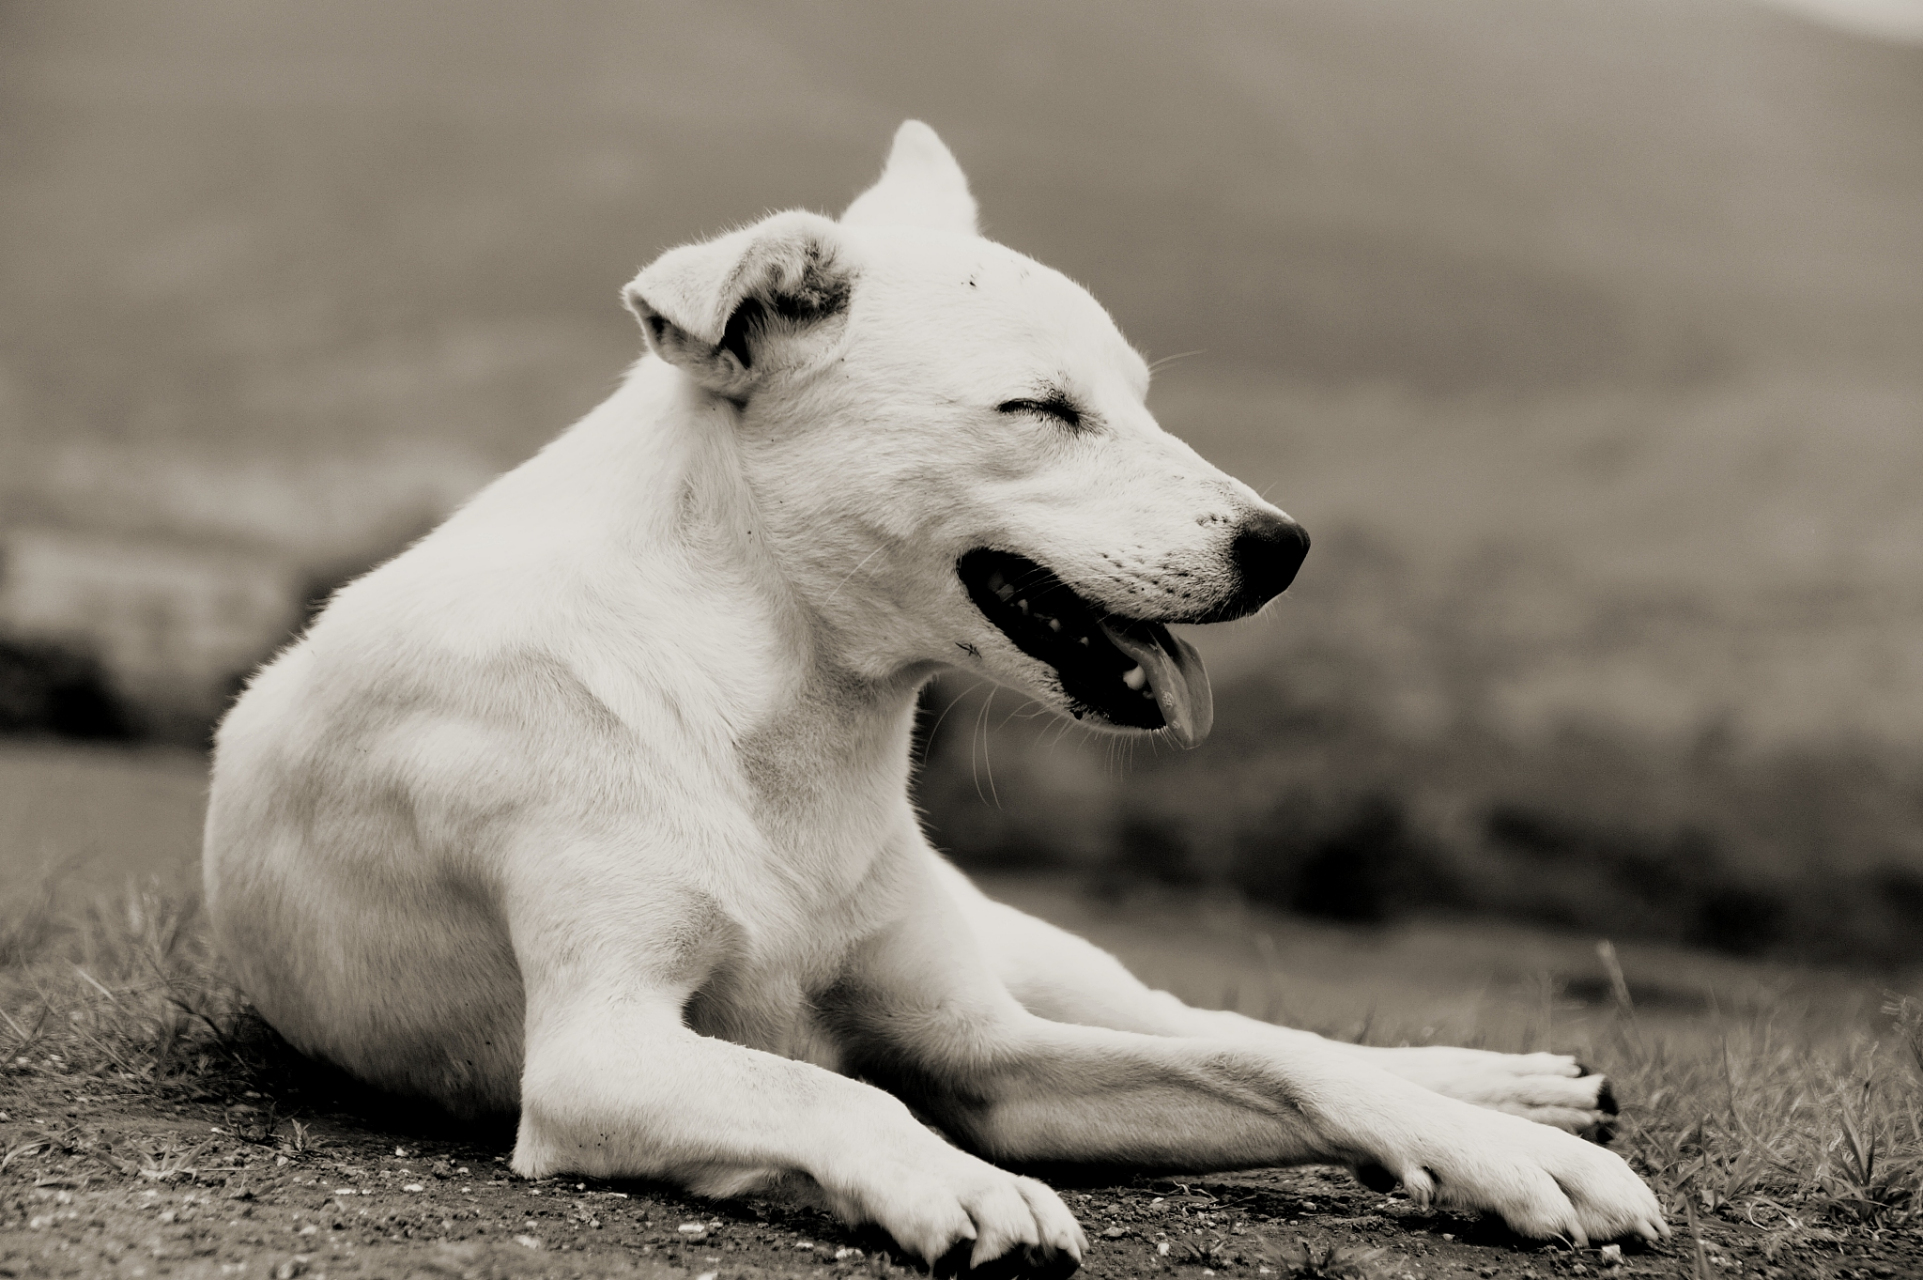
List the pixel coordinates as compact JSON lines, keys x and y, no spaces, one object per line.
{"x":950,"y":453}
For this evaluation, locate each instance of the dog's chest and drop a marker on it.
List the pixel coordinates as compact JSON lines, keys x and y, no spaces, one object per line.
{"x":796,"y":932}
{"x":771,"y":1007}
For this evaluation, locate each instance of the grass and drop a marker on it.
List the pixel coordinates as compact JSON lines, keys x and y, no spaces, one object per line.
{"x":127,"y":988}
{"x":1807,"y":1141}
{"x":1807,"y":1128}
{"x":1773,"y":1095}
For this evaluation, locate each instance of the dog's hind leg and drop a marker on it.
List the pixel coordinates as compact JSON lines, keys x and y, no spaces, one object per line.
{"x":1058,"y":976}
{"x":616,"y":1085}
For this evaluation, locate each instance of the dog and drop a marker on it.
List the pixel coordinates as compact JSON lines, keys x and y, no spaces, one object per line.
{"x":593,"y":804}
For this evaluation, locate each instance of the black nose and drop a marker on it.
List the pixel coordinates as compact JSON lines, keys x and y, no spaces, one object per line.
{"x":1267,"y":552}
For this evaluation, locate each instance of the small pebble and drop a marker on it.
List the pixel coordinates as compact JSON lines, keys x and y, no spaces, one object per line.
{"x":1115,"y":1233}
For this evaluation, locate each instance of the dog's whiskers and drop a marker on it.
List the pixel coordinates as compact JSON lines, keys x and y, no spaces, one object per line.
{"x":928,"y":748}
{"x":1164,"y":361}
{"x":829,"y":599}
{"x":988,"y":765}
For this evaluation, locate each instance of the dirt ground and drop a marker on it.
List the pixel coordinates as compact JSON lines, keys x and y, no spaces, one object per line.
{"x":102,"y":1177}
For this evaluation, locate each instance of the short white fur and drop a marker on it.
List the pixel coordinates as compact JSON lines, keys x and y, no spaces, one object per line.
{"x":593,"y":803}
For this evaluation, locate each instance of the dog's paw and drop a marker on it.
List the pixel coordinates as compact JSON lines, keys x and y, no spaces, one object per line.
{"x":962,"y":1214}
{"x":1543,"y":1182}
{"x":1548,"y":1088}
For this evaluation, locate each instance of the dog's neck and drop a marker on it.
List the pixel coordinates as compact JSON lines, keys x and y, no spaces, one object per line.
{"x":646,"y":501}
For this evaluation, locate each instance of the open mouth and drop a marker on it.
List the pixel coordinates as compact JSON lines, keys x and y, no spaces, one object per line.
{"x":1126,"y":671}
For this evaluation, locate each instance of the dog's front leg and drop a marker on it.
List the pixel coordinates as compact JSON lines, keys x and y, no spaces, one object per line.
{"x":616,"y":1085}
{"x":1059,"y":976}
{"x":936,"y":1024}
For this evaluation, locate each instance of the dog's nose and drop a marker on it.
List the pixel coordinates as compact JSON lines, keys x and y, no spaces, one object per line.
{"x":1267,"y":551}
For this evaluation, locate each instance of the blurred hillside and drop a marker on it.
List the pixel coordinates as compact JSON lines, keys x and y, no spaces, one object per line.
{"x":1584,"y":336}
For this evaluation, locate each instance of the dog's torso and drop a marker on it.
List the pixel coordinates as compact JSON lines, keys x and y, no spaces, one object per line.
{"x":404,"y":765}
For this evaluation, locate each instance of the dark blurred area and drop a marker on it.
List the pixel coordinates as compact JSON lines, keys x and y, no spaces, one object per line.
{"x":1586,"y":336}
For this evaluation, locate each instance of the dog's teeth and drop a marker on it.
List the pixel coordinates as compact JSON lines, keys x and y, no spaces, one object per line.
{"x":1005,"y":592}
{"x":1022,"y":605}
{"x":1054,"y":624}
{"x":1135,"y":678}
{"x":1082,"y":641}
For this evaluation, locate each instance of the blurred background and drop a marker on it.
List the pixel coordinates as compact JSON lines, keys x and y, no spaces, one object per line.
{"x":1586,"y":337}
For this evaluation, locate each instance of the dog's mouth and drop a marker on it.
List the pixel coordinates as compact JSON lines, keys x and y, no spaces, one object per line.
{"x":1127,"y":671}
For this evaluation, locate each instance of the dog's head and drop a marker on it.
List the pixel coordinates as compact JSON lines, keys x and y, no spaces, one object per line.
{"x":951,"y":458}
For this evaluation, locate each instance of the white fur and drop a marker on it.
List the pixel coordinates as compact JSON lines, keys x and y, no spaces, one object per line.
{"x":594,"y":802}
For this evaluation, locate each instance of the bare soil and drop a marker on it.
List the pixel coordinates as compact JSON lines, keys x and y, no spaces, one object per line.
{"x":107,"y":1176}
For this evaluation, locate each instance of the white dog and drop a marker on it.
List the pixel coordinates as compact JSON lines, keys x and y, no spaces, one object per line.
{"x":594,"y":803}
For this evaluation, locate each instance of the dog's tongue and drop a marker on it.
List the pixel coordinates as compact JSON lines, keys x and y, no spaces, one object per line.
{"x":1176,"y":677}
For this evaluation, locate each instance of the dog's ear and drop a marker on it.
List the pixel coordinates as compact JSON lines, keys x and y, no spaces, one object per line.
{"x":720,"y":309}
{"x":921,"y":186}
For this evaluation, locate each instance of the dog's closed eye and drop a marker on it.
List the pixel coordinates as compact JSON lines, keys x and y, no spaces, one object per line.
{"x":1055,"y":405}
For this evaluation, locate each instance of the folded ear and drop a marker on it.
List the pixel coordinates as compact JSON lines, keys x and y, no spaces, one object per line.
{"x":720,"y":310}
{"x":921,"y":186}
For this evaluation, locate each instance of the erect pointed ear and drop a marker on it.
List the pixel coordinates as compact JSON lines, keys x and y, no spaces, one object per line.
{"x":720,"y":310}
{"x":921,"y":186}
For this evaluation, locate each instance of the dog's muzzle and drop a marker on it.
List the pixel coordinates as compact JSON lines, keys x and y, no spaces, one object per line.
{"x":1129,"y":672}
